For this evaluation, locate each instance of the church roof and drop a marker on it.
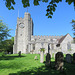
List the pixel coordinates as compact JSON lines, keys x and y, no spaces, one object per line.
{"x":61,"y":39}
{"x":56,"y":39}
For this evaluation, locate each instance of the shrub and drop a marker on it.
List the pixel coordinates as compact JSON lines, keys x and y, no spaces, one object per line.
{"x":3,"y":53}
{"x":42,"y":49}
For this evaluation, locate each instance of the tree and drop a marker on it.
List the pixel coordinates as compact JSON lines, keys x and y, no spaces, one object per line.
{"x":50,"y":8}
{"x":4,"y":31}
{"x":73,"y":22}
{"x":7,"y":45}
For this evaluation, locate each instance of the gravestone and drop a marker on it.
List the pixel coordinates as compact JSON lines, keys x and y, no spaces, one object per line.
{"x":19,"y":53}
{"x":5,"y":52}
{"x":48,"y":58}
{"x":73,"y":57}
{"x":35,"y":57}
{"x":59,"y":58}
{"x":9,"y":52}
{"x":68,"y":58}
{"x":41,"y":56}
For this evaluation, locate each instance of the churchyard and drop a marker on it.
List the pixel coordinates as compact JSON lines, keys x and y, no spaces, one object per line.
{"x":29,"y":64}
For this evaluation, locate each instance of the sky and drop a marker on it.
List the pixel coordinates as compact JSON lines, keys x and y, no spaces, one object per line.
{"x":57,"y":26}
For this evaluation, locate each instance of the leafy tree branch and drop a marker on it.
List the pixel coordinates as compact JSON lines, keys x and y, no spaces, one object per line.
{"x":50,"y":8}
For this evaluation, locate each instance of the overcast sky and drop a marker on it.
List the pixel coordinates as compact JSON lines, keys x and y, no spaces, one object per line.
{"x":58,"y":25}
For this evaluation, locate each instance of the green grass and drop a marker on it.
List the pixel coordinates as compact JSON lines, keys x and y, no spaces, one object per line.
{"x":13,"y":63}
{"x":26,"y":65}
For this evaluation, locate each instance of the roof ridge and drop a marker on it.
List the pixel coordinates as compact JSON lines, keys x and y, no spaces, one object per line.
{"x":62,"y":38}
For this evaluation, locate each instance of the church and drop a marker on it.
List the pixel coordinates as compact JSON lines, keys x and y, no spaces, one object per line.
{"x":26,"y":42}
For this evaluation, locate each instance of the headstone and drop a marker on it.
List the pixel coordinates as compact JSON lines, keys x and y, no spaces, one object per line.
{"x":41,"y":57}
{"x":35,"y":57}
{"x":9,"y":52}
{"x":19,"y":53}
{"x":5,"y":52}
{"x":68,"y":58}
{"x":48,"y":58}
{"x":73,"y":57}
{"x":59,"y":58}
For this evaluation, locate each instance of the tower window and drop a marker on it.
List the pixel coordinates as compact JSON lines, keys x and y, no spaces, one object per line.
{"x":21,"y":34}
{"x":33,"y":46}
{"x":35,"y":39}
{"x":44,"y":39}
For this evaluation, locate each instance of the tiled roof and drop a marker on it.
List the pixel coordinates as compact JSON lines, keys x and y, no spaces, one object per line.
{"x":62,"y":38}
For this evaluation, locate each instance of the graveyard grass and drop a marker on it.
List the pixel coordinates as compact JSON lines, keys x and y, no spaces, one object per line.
{"x":26,"y":65}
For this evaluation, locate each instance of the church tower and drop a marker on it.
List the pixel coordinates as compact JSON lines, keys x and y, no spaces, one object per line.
{"x":24,"y":31}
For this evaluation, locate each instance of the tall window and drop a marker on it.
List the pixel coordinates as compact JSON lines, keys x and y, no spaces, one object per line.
{"x":52,"y":46}
{"x":33,"y":46}
{"x":51,"y":40}
{"x":27,"y":47}
{"x":68,"y":45}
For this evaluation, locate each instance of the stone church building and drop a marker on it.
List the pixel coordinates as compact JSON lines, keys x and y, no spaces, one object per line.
{"x":26,"y":42}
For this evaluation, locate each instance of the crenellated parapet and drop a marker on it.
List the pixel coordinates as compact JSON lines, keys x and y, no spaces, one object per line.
{"x":45,"y":38}
{"x":20,"y":18}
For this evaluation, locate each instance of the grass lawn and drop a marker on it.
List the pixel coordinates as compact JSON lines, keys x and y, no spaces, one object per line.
{"x":26,"y":65}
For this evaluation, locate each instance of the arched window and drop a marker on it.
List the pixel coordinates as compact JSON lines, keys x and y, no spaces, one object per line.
{"x":33,"y":46}
{"x":35,"y":39}
{"x":52,"y":46}
{"x":68,"y":45}
{"x":51,"y":40}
